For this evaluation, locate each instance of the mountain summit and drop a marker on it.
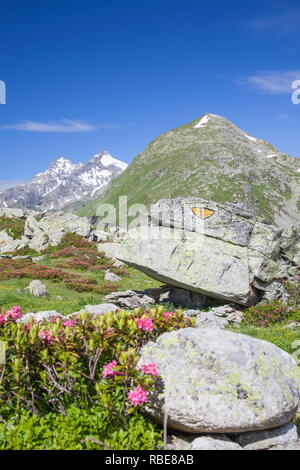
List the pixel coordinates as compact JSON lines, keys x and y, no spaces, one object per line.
{"x":213,"y":159}
{"x":64,"y":182}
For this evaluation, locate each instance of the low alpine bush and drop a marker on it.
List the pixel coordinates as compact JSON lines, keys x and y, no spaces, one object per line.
{"x":81,"y":361}
{"x":266,"y":314}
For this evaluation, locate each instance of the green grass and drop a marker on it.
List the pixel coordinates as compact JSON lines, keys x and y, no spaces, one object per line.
{"x":279,"y":335}
{"x":12,"y":293}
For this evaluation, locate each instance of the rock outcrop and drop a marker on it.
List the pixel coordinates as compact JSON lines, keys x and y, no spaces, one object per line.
{"x":213,"y":249}
{"x":37,"y":289}
{"x":217,"y":381}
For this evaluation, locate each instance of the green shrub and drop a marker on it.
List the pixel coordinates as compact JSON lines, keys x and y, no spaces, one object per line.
{"x":265,"y":314}
{"x":84,"y":361}
{"x":71,"y":240}
{"x":293,"y":288}
{"x":13,"y":226}
{"x":80,"y":429}
{"x":26,"y":268}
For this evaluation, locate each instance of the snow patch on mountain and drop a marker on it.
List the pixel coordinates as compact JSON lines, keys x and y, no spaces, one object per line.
{"x":202,"y":122}
{"x":64,"y":182}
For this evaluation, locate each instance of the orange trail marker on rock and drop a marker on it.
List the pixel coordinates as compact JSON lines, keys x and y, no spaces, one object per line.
{"x":203,"y":213}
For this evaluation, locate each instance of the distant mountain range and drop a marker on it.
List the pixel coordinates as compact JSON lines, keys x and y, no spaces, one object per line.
{"x":213,"y":159}
{"x":63,"y":183}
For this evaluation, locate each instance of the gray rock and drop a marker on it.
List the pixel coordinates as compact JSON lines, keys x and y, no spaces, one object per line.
{"x":112,"y":277}
{"x":191,"y":313}
{"x":293,"y":326}
{"x":219,"y":317}
{"x":130,"y":299}
{"x":12,"y":212}
{"x":100,"y":309}
{"x":252,"y":384}
{"x":295,"y":446}
{"x":37,"y":289}
{"x":228,"y":255}
{"x":39,"y":242}
{"x":209,"y":320}
{"x":110,"y":249}
{"x":212,"y":442}
{"x":282,"y":436}
{"x":9,"y":244}
{"x":54,"y":226}
{"x":40,"y":316}
{"x":118,"y":264}
{"x":100,"y":235}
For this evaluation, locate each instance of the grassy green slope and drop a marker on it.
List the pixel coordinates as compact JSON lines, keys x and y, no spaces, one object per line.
{"x":218,"y":162}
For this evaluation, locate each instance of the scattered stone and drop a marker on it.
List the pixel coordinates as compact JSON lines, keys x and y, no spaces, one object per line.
{"x":37,"y":289}
{"x":282,"y":436}
{"x":40,"y":316}
{"x":293,"y":326}
{"x":100,"y":309}
{"x":8,"y":244}
{"x":55,"y":225}
{"x":191,"y":313}
{"x":252,"y":384}
{"x":39,"y":242}
{"x":112,"y":277}
{"x":100,"y":236}
{"x":214,"y":442}
{"x":118,"y":264}
{"x":130,"y":299}
{"x":218,"y":317}
{"x":295,"y":446}
{"x":12,"y":213}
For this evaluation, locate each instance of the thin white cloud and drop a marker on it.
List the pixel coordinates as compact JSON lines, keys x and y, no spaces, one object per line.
{"x":10,"y":184}
{"x":282,"y":117}
{"x":65,"y":125}
{"x":272,"y":82}
{"x":285,"y":22}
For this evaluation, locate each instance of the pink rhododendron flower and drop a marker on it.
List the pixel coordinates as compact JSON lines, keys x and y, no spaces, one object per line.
{"x":69,"y":323}
{"x":46,"y":336}
{"x":110,"y":332}
{"x":150,"y":369}
{"x":54,"y":318}
{"x":108,"y":370}
{"x":2,"y":319}
{"x":168,"y":315}
{"x":138,"y":396}
{"x":14,"y":313}
{"x":145,"y":324}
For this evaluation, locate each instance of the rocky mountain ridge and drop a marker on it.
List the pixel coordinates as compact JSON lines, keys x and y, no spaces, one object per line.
{"x":64,"y":182}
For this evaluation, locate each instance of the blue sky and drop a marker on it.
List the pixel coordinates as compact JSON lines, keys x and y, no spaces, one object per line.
{"x":83,"y":76}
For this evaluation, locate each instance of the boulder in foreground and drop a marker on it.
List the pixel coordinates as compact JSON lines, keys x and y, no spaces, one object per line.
{"x":217,"y":381}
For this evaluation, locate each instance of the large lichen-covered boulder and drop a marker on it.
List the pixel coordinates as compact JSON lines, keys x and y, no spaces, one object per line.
{"x":216,"y":381}
{"x":217,"y":250}
{"x":55,"y":225}
{"x":9,"y":244}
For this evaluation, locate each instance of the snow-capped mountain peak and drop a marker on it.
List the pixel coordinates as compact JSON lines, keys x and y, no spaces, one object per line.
{"x":106,"y":159}
{"x":64,"y":182}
